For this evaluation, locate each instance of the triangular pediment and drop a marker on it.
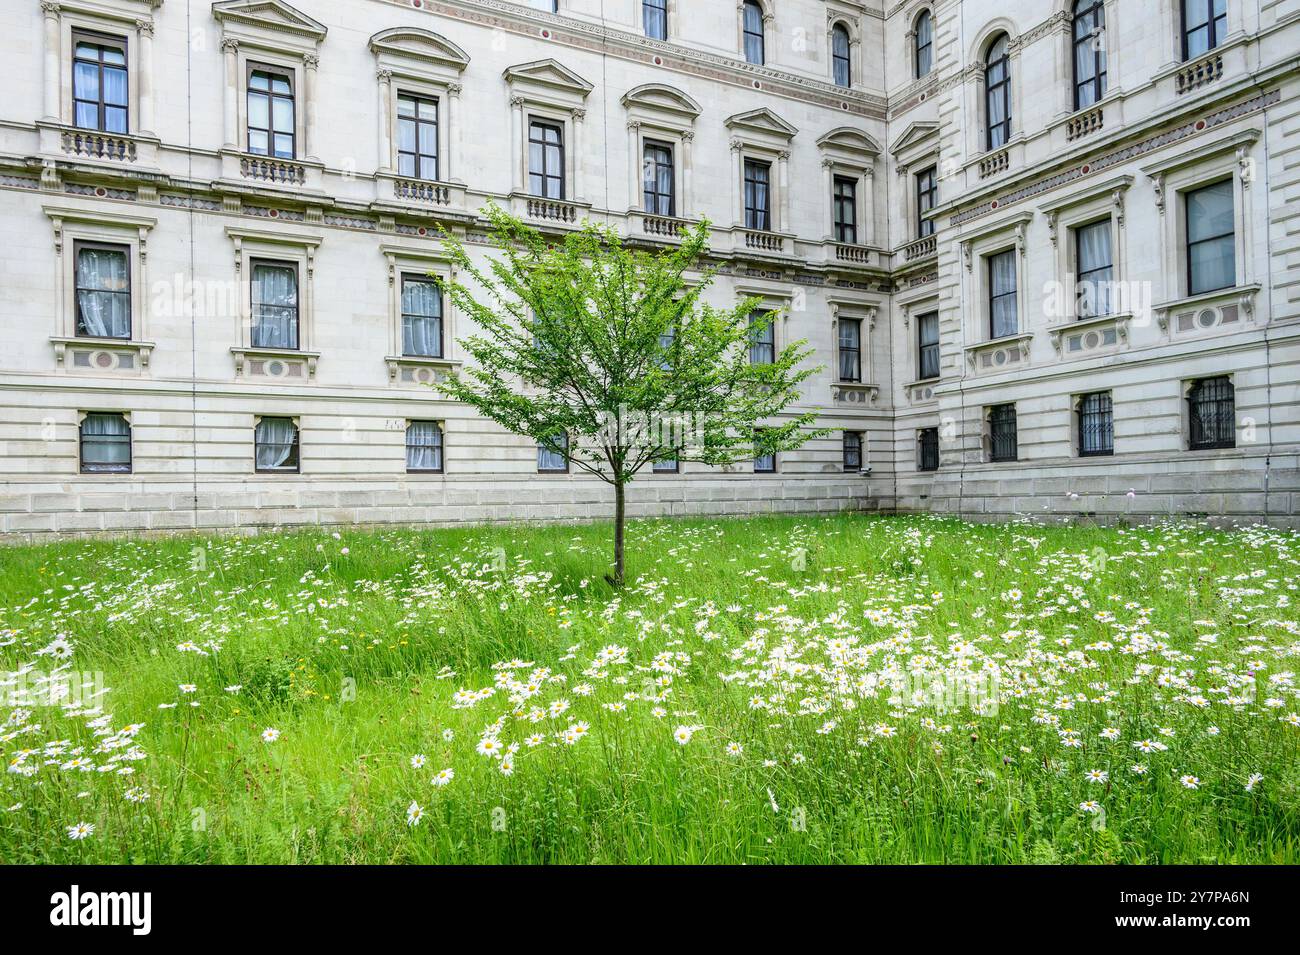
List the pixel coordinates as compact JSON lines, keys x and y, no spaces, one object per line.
{"x":761,"y":120}
{"x":269,"y":15}
{"x":914,"y":134}
{"x":656,"y":97}
{"x":421,"y":45}
{"x":550,"y":73}
{"x":849,"y":140}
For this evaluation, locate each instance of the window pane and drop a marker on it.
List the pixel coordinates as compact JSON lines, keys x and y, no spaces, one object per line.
{"x":1212,"y":265}
{"x":1209,"y":211}
{"x":85,"y":81}
{"x":258,"y":111}
{"x":115,"y":86}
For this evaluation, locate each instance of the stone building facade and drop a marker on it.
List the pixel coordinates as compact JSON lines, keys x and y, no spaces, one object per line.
{"x":1046,"y":252}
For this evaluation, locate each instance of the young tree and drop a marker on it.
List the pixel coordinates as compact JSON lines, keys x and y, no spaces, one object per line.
{"x":609,"y":357}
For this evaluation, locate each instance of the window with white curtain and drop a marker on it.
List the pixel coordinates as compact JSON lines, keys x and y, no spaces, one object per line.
{"x":1211,"y":241}
{"x":658,"y":175}
{"x":99,"y":82}
{"x":421,"y":317}
{"x":997,"y":92}
{"x":275,"y":305}
{"x":105,"y":441}
{"x":850,"y":342}
{"x":553,"y":455}
{"x":924,"y":43}
{"x":275,"y":444}
{"x":654,"y":16}
{"x":103,"y":290}
{"x":764,"y":463}
{"x":1094,"y":268}
{"x":762,"y":339}
{"x":1089,"y":52}
{"x":752,"y":26}
{"x":423,"y":446}
{"x":841,"y":57}
{"x":1002,"y":294}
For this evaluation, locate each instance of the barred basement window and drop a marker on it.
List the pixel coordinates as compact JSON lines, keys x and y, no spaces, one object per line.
{"x":1096,"y":424}
{"x":424,"y":447}
{"x":105,"y":442}
{"x":853,"y":450}
{"x":1212,"y":414}
{"x":927,"y":440}
{"x":1002,"y":433}
{"x":554,"y":457}
{"x":275,"y":445}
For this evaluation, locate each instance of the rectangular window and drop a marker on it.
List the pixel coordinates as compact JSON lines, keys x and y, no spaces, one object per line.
{"x":846,"y":210}
{"x":764,"y":463}
{"x":275,"y":445}
{"x":99,"y":83}
{"x":659,"y":179}
{"x":1205,"y":24}
{"x":850,"y":342}
{"x":421,"y":317}
{"x":271,"y":128}
{"x":275,"y":305}
{"x":654,"y":16}
{"x":927,"y":449}
{"x":667,"y":338}
{"x":853,"y":450}
{"x":664,"y":466}
{"x":1212,"y":414}
{"x":1002,"y":294}
{"x":1093,"y":265}
{"x":1089,"y":52}
{"x":1211,"y":244}
{"x":762,"y":339}
{"x":1002,"y":433}
{"x":105,"y":441}
{"x":927,"y":194}
{"x":554,"y":457}
{"x":423,"y":446}
{"x":545,"y":159}
{"x":103,"y":290}
{"x":758,"y":195}
{"x":1096,"y":425}
{"x":417,"y":137}
{"x":927,"y":346}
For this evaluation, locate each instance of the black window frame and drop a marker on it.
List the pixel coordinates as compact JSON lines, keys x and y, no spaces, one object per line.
{"x":996,"y":296}
{"x":415,"y":277}
{"x":927,"y":197}
{"x":117,"y":247}
{"x":761,"y":339}
{"x":654,"y":18}
{"x":844,"y":204}
{"x":764,"y":457}
{"x":102,"y":41}
{"x":1004,"y":437}
{"x":928,"y":45}
{"x":91,"y":467}
{"x":253,"y":312}
{"x":842,"y":62}
{"x":653,"y":153}
{"x":1095,"y":12}
{"x":1220,"y":431}
{"x":418,"y":122}
{"x":1215,"y":30}
{"x":1000,"y":88}
{"x":295,"y":453}
{"x":855,"y":350}
{"x":545,"y":174}
{"x":851,"y":450}
{"x":927,"y":449}
{"x":666,"y":465}
{"x":564,"y":452}
{"x":751,"y":36}
{"x":1081,"y":276}
{"x":1095,"y":431}
{"x":272,"y":71}
{"x":1189,"y":244}
{"x":440,"y":445}
{"x":927,"y":352}
{"x":758,"y":215}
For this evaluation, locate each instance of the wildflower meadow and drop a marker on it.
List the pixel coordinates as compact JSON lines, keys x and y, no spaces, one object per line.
{"x":772,"y":690}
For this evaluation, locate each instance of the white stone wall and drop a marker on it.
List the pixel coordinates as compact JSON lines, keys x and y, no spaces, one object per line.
{"x":193,"y":215}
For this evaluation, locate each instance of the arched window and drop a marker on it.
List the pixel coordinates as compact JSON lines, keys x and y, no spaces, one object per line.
{"x":997,"y":91}
{"x":1089,"y":52}
{"x":753,"y":29}
{"x":842,"y":66}
{"x":924,"y":43}
{"x":1205,"y":24}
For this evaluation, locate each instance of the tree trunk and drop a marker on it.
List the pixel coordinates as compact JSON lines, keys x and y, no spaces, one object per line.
{"x":619,"y":520}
